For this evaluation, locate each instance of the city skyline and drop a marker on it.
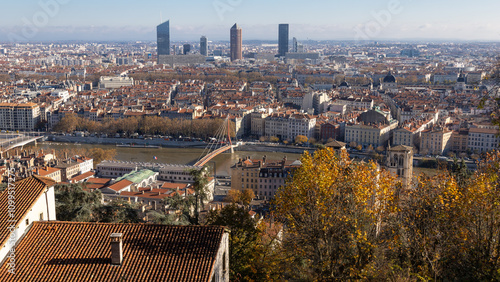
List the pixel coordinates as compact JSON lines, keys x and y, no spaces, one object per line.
{"x":384,"y":20}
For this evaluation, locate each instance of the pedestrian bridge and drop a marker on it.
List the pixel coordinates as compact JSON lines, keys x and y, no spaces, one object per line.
{"x":18,"y":141}
{"x":219,"y":144}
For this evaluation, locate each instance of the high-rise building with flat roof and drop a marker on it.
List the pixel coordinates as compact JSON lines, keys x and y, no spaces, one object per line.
{"x":163,"y":38}
{"x":236,"y":43}
{"x":283,"y":40}
{"x":186,"y":48}
{"x":203,"y":46}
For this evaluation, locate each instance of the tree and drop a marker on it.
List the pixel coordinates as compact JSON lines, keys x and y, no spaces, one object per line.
{"x":118,"y":211}
{"x":300,"y":139}
{"x":243,"y":197}
{"x":98,"y":155}
{"x":333,"y":209}
{"x":246,"y":197}
{"x":73,"y":203}
{"x":359,"y":147}
{"x":68,"y":123}
{"x":460,"y":172}
{"x":274,"y":139}
{"x":200,"y":189}
{"x":168,"y":218}
{"x":448,"y":226}
{"x":4,"y":78}
{"x":242,"y":241}
{"x":233,"y":196}
{"x":369,"y":148}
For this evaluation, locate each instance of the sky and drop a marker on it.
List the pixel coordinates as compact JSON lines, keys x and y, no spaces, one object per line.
{"x":127,"y":20}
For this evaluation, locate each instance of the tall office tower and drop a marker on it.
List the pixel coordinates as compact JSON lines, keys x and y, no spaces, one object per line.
{"x":295,"y":45}
{"x":163,"y":38}
{"x":186,"y":48}
{"x":283,"y":40}
{"x":203,"y":46}
{"x":236,"y":43}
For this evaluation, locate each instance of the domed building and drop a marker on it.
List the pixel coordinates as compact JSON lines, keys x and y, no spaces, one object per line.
{"x":344,"y":85}
{"x":389,"y":83}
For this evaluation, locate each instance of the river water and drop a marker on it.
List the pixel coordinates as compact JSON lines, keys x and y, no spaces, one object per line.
{"x":223,"y":161}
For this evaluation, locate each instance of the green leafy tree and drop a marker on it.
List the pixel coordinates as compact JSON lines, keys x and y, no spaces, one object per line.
{"x":118,"y":211}
{"x":460,"y":172}
{"x":200,"y":187}
{"x":168,"y":218}
{"x":73,"y":203}
{"x":242,"y":240}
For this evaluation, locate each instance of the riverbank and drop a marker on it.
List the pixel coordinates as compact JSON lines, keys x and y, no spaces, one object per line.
{"x":157,"y":142}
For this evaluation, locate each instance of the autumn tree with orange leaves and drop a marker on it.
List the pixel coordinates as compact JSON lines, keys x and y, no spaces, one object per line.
{"x":334,"y":210}
{"x":346,"y":220}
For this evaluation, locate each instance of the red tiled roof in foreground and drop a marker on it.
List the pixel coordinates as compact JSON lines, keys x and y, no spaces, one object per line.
{"x":74,"y":251}
{"x":26,"y":192}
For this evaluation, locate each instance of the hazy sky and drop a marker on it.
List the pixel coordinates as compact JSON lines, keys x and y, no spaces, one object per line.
{"x":46,"y":20}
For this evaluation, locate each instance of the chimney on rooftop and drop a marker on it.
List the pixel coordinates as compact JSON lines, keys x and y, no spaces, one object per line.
{"x":116,"y":248}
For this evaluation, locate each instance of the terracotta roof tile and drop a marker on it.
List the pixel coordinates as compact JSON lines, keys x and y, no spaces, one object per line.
{"x":27,"y":191}
{"x":83,"y":176}
{"x":120,"y":185}
{"x":70,"y":251}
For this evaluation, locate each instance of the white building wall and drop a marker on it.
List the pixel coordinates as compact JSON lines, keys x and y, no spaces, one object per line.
{"x":45,"y":206}
{"x":221,"y":265}
{"x":86,"y":166}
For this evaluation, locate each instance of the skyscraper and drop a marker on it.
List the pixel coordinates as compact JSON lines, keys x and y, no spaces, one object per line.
{"x":295,"y":45}
{"x":236,"y":43}
{"x":186,"y":48}
{"x":203,"y":46}
{"x":283,"y":40}
{"x":163,"y":38}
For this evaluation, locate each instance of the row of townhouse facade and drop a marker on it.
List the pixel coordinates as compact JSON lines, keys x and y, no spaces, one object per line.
{"x":477,"y":139}
{"x":288,"y":126}
{"x":365,"y":135}
{"x":263,"y":177}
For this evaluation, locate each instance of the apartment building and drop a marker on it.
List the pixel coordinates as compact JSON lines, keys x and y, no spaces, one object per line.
{"x":19,"y":116}
{"x":289,"y":126}
{"x":459,"y":140}
{"x":435,"y":141}
{"x":483,"y":139}
{"x":408,"y":134}
{"x":263,"y":176}
{"x":258,"y":123}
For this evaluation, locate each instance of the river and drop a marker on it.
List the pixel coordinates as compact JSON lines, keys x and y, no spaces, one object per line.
{"x":172,"y":155}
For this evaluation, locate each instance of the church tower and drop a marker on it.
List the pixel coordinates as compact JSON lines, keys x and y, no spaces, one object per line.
{"x":400,"y":162}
